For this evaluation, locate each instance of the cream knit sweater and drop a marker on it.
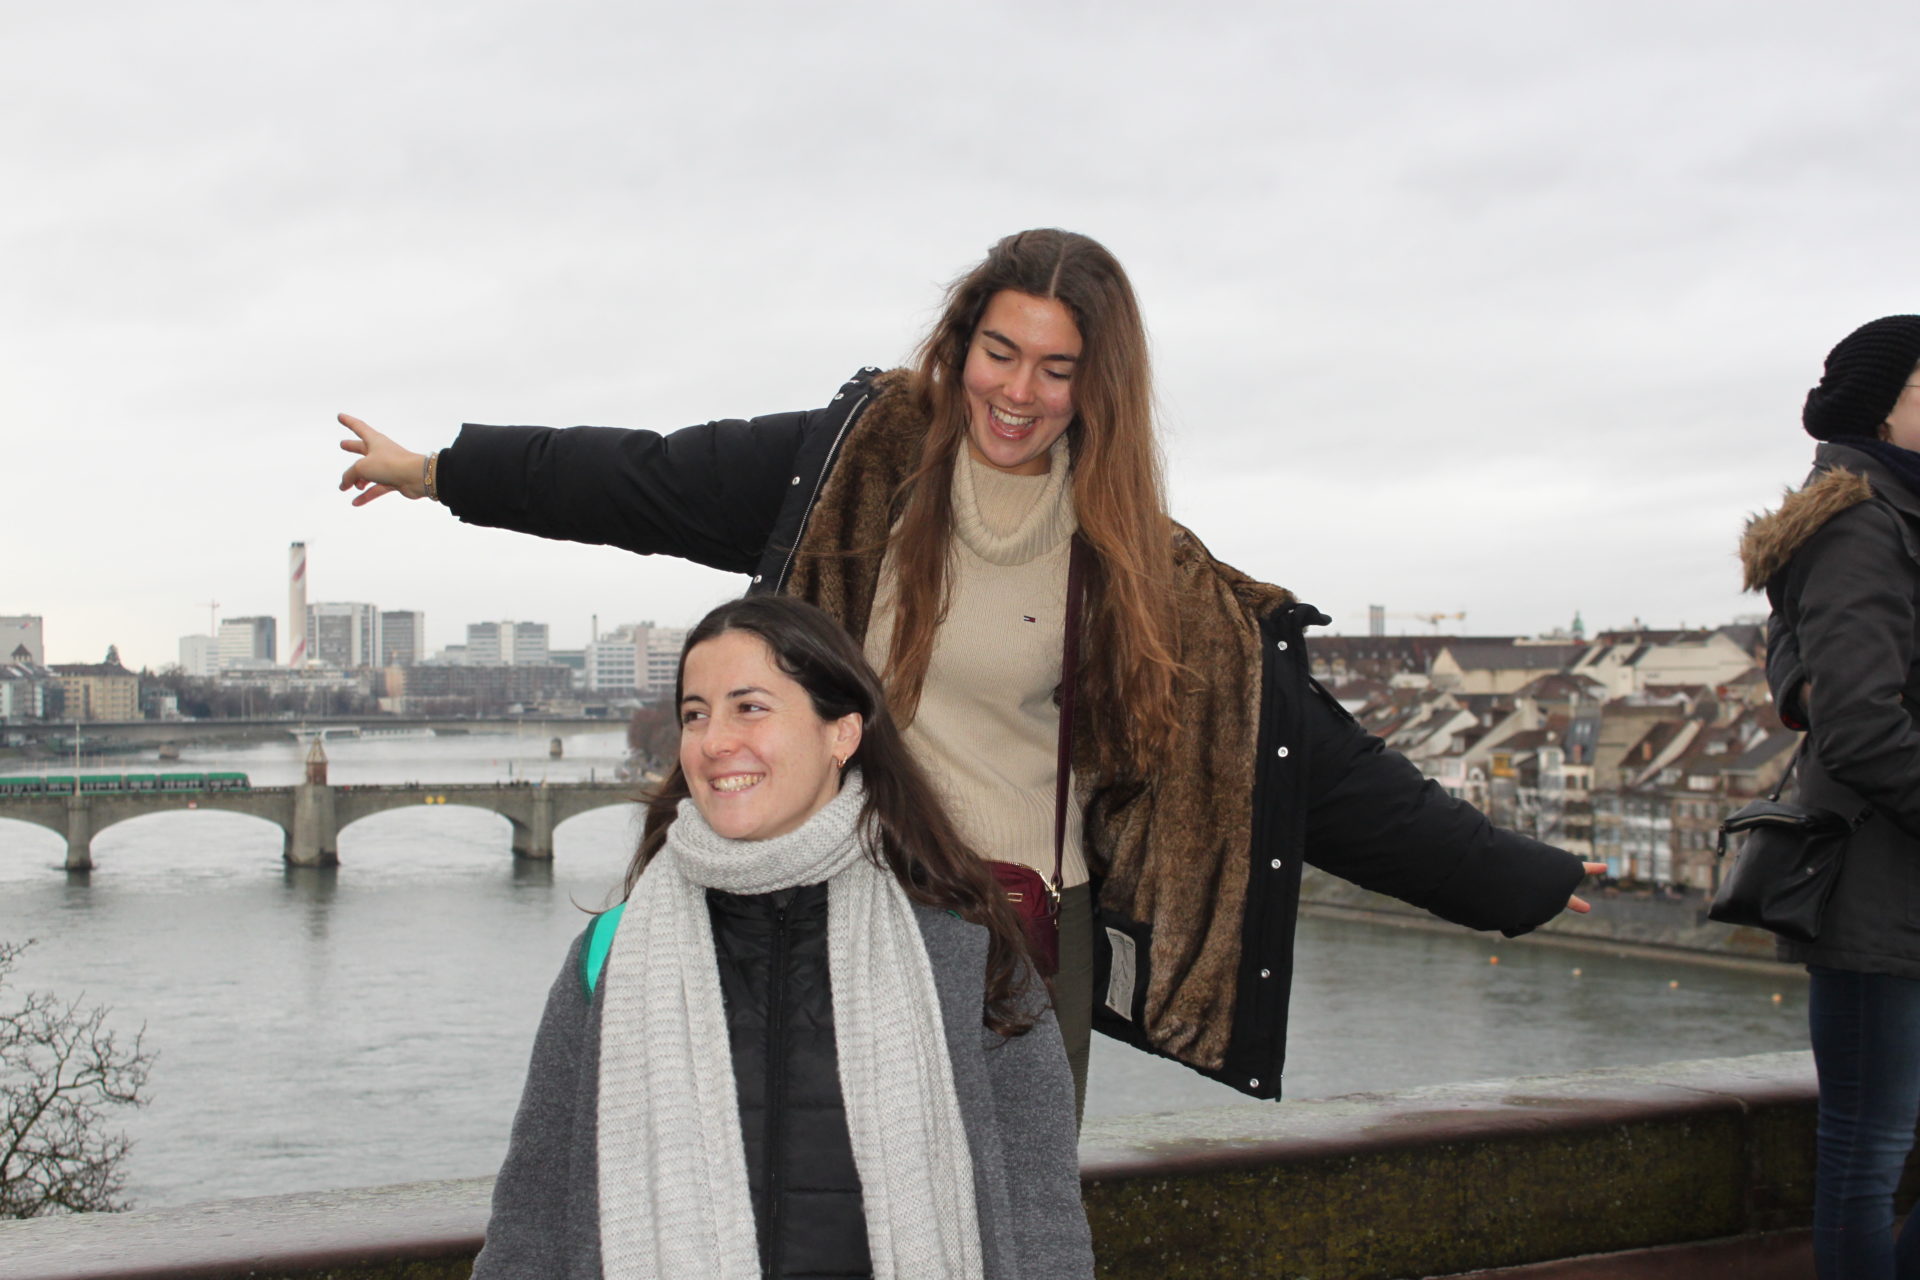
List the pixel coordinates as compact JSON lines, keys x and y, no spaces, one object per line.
{"x":987,"y":730}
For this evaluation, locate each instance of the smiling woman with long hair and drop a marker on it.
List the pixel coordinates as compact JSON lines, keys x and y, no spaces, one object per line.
{"x":1089,"y":689}
{"x":808,"y":1043}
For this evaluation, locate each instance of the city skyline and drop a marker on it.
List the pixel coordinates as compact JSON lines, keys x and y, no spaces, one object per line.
{"x":223,"y":618}
{"x":621,"y":632}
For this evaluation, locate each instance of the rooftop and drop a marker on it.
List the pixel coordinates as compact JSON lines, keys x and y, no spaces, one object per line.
{"x":1512,"y":655}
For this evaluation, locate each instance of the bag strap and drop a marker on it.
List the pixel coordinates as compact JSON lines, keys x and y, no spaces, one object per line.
{"x":593,"y":956}
{"x":1859,"y":818}
{"x":1069,"y":679}
{"x":1787,"y":772}
{"x":1860,"y":815}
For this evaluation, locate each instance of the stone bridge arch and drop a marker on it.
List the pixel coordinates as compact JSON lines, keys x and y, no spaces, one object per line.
{"x":274,"y":810}
{"x":571,"y":802}
{"x":80,"y":818}
{"x":275,"y":806}
{"x":53,"y":819}
{"x":51,"y":814}
{"x":351,"y":807}
{"x":532,"y":810}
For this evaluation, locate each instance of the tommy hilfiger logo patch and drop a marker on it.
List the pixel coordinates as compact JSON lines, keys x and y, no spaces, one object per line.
{"x":1027,"y":617}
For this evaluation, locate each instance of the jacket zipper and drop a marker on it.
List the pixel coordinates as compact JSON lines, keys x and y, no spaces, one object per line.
{"x":776,"y":1084}
{"x":819,"y":481}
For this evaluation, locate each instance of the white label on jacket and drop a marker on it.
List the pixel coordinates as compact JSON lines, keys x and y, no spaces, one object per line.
{"x":1120,"y":977}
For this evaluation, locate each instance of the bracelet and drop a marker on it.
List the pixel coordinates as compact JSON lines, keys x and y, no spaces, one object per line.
{"x":430,"y":475}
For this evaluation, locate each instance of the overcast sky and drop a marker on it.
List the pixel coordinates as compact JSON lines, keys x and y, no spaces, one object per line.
{"x":1503,"y":308}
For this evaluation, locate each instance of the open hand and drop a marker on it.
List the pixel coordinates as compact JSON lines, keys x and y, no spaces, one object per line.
{"x":383,"y":465}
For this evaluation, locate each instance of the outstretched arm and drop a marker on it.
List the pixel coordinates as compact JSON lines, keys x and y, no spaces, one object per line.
{"x":1377,"y":821}
{"x":709,"y":493}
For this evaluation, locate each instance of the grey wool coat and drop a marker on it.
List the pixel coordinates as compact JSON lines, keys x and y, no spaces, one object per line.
{"x":1015,"y":1096}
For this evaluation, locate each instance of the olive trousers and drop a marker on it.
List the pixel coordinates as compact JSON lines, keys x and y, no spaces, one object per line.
{"x":1073,"y":986}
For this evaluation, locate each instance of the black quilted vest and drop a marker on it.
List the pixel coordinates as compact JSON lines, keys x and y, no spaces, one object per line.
{"x":772,"y":950}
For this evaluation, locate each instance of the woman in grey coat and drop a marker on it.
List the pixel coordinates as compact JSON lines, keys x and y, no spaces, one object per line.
{"x":1840,"y":562}
{"x":809,"y":1042}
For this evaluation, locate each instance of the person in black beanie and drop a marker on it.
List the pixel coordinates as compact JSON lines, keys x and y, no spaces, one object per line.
{"x":1864,"y":375}
{"x":1838,"y":562}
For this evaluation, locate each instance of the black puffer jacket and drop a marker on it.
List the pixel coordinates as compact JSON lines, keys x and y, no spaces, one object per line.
{"x":772,"y":950}
{"x":1840,"y":561}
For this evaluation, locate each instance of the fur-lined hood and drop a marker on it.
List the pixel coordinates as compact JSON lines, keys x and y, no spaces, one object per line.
{"x":1772,"y":537}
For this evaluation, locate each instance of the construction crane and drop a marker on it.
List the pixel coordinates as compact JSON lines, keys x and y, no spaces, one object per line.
{"x":213,"y":607}
{"x":1377,"y":618}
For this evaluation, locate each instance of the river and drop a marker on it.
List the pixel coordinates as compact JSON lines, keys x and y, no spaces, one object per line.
{"x":370,"y":1023}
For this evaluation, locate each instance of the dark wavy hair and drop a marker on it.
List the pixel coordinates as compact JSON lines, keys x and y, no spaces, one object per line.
{"x":914,"y":837}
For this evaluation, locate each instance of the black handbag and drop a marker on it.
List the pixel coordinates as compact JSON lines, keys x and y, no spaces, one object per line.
{"x":1787,"y":865}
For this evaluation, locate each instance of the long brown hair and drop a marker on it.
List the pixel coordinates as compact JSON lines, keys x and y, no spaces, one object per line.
{"x":1130,"y":668}
{"x":915,"y":838}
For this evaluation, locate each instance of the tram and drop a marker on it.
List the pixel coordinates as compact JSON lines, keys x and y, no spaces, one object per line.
{"x":121,"y":783}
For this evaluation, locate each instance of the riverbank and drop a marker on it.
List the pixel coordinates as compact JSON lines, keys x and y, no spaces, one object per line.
{"x":53,"y":749}
{"x":1622,"y":922}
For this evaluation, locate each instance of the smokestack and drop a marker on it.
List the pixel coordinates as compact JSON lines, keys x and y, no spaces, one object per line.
{"x":297,"y":605}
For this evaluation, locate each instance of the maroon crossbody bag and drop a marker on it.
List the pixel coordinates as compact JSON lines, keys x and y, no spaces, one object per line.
{"x":1036,"y":898}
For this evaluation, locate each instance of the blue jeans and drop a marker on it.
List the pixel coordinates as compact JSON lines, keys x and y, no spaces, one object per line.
{"x":1866,"y":1046}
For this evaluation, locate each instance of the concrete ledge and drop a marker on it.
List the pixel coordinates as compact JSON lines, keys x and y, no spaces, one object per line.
{"x":1777,"y":1255}
{"x":1684,"y":1166}
{"x":1452,"y":1178}
{"x":415,"y":1231}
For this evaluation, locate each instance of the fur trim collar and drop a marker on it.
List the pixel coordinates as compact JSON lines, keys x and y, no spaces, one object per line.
{"x":1173,"y":846}
{"x":845,"y":538}
{"x":1772,"y":537}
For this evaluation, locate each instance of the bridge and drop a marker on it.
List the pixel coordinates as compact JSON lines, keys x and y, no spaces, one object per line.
{"x":152,"y":732}
{"x":312,"y":814}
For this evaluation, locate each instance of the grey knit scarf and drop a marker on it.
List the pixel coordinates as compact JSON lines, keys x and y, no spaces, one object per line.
{"x":673,"y":1177}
